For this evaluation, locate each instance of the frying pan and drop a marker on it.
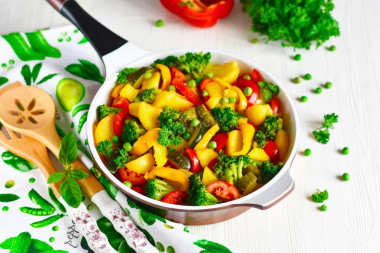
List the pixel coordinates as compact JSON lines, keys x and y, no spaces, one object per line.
{"x":118,"y":53}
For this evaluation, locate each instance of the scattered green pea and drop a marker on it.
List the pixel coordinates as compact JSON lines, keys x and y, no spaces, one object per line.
{"x":307,"y":152}
{"x":297,"y":57}
{"x":128,"y":184}
{"x":346,"y":176}
{"x":171,"y":88}
{"x":192,"y":83}
{"x":159,"y":23}
{"x":11,"y":62}
{"x":248,"y":77}
{"x":328,"y":85}
{"x":224,"y":101}
{"x":51,"y":239}
{"x":90,"y":206}
{"x":323,"y":208}
{"x":255,"y":41}
{"x":60,"y":39}
{"x":9,"y":184}
{"x":297,"y":80}
{"x":332,"y":48}
{"x":5,"y":209}
{"x":147,"y":75}
{"x":138,"y":98}
{"x":303,"y":99}
{"x":232,"y":100}
{"x":186,"y":136}
{"x":345,"y":151}
{"x":212,"y":145}
{"x":248,"y":91}
{"x":68,"y":39}
{"x":55,"y":228}
{"x":307,"y":76}
{"x":127,"y":146}
{"x":204,"y":93}
{"x":160,"y":247}
{"x":210,"y":75}
{"x":3,"y":65}
{"x":115,"y":139}
{"x":318,"y":90}
{"x":195,"y":122}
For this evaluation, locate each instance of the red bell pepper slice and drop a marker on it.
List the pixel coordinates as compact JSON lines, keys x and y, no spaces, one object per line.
{"x":120,"y":102}
{"x":274,"y":105}
{"x":211,"y":164}
{"x":118,"y":124}
{"x":205,"y":81}
{"x":221,"y":140}
{"x":135,"y":178}
{"x":245,"y":83}
{"x":200,"y":13}
{"x":223,"y":190}
{"x":175,"y":197}
{"x":272,"y":151}
{"x":178,"y":80}
{"x":195,"y":164}
{"x":256,"y":76}
{"x":138,"y":189}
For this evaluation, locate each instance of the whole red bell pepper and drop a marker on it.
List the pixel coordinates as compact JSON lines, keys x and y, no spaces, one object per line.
{"x":199,"y":13}
{"x":178,"y":81}
{"x":119,"y":122}
{"x":245,"y":83}
{"x":195,"y":164}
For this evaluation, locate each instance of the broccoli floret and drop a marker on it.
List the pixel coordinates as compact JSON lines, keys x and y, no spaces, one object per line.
{"x":271,"y":125}
{"x":197,"y":195}
{"x":190,"y":63}
{"x":230,"y":168}
{"x":260,"y":139}
{"x":268,"y":90}
{"x":268,"y":171}
{"x":132,"y":131}
{"x":104,"y":110}
{"x":171,"y":128}
{"x":105,"y":148}
{"x":226,"y":118}
{"x":320,"y":196}
{"x":157,"y":189}
{"x":149,"y":95}
{"x":122,"y":77}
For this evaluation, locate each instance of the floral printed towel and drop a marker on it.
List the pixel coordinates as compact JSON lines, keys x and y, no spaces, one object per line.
{"x":62,"y":62}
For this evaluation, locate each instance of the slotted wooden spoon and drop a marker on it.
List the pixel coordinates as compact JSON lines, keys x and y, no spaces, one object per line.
{"x":31,"y":111}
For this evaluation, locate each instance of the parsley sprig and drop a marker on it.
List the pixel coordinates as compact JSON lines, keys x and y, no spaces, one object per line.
{"x":322,"y":135}
{"x":70,"y":189}
{"x":320,"y":196}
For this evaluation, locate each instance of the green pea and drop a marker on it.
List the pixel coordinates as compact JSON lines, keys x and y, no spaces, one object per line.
{"x":318,"y":90}
{"x":68,"y":39}
{"x":137,"y":99}
{"x":210,"y":75}
{"x":297,"y":57}
{"x":307,"y":152}
{"x":9,"y":184}
{"x":160,"y":247}
{"x":172,"y":88}
{"x":192,"y":83}
{"x":224,"y":101}
{"x":11,"y":62}
{"x":90,"y":206}
{"x":115,"y":139}
{"x":332,"y":48}
{"x":127,"y":146}
{"x":297,"y":80}
{"x":55,"y":228}
{"x":128,"y":184}
{"x":212,"y":145}
{"x":346,"y":176}
{"x":345,"y":151}
{"x":248,"y":91}
{"x":147,"y":75}
{"x":248,"y":77}
{"x":307,"y":76}
{"x":159,"y":23}
{"x":232,"y":100}
{"x":323,"y":208}
{"x":5,"y":209}
{"x":186,"y":136}
{"x":204,"y":93}
{"x":303,"y":99}
{"x":51,"y":239}
{"x":255,"y":41}
{"x":328,"y":85}
{"x":195,"y":122}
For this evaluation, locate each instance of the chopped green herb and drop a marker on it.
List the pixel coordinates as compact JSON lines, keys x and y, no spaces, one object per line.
{"x":320,"y":196}
{"x":105,"y":148}
{"x":322,"y":135}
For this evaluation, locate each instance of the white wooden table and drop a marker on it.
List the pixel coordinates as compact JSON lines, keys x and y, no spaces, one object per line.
{"x":352,"y":221}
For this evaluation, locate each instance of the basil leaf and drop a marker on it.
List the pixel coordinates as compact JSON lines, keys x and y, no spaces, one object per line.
{"x":44,"y":79}
{"x":68,"y":151}
{"x":71,"y":192}
{"x":56,"y":177}
{"x":27,"y":74}
{"x":36,"y":71}
{"x":78,"y":174}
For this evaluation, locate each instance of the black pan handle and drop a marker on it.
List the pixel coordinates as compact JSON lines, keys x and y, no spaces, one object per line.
{"x":102,"y":39}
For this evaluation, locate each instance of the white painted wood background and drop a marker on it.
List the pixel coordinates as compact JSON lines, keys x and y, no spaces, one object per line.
{"x":352,"y":221}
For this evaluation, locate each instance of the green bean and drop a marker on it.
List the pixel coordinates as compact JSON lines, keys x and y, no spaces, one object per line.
{"x":47,"y":221}
{"x":40,"y":201}
{"x":80,"y":108}
{"x":8,"y":197}
{"x":82,"y":120}
{"x":56,"y":201}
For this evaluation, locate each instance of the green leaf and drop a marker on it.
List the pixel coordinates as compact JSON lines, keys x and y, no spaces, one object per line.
{"x":56,"y":177}
{"x":36,"y":71}
{"x":17,"y":162}
{"x":78,"y":174}
{"x":71,"y":192}
{"x":44,"y":79}
{"x":8,"y":197}
{"x":212,"y":246}
{"x":85,"y":70}
{"x":3,"y":80}
{"x":27,"y":74}
{"x":68,"y":151}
